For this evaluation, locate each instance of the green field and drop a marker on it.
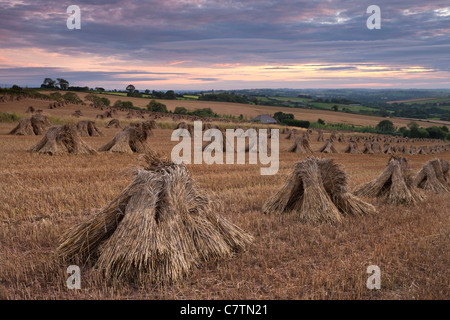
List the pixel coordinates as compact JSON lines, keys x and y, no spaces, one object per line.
{"x":188,"y":97}
{"x":329,"y":106}
{"x":124,"y":94}
{"x":318,"y":105}
{"x":293,"y":99}
{"x":116,"y":93}
{"x":434,"y":100}
{"x":287,"y":101}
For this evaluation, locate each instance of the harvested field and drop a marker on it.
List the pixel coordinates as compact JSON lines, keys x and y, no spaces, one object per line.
{"x":43,"y":196}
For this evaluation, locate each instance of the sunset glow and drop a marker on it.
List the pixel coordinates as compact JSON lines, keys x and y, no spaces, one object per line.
{"x":232,"y":45}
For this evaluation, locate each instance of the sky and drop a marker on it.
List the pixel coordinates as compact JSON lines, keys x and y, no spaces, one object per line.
{"x":226,"y":44}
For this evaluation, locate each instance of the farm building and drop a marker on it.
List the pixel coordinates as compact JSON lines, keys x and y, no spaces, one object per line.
{"x":265,"y":118}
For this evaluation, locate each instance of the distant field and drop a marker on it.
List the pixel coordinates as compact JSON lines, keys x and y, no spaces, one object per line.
{"x":444,"y":108}
{"x":189,"y":97}
{"x":422,"y":100}
{"x":123,"y":94}
{"x":116,"y":93}
{"x":329,"y":106}
{"x":223,"y":108}
{"x":294,"y":99}
{"x":319,"y":105}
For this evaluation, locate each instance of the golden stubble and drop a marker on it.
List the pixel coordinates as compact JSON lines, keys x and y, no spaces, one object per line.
{"x":43,"y":196}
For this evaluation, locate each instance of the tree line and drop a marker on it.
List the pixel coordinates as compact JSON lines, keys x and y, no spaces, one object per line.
{"x":412,"y":130}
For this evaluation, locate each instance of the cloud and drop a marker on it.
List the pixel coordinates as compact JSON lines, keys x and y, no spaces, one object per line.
{"x":339,"y":68}
{"x":35,"y":76}
{"x":277,"y":68}
{"x":192,"y":34}
{"x":205,"y":79}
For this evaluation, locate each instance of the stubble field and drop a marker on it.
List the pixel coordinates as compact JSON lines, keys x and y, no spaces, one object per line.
{"x":42,"y":196}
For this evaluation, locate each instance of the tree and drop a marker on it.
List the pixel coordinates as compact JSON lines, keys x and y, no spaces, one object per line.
{"x":436,"y":133}
{"x":155,"y":106}
{"x":97,"y":101}
{"x":414,"y":132}
{"x":48,"y":83}
{"x":224,"y":97}
{"x":147,"y":91}
{"x":56,"y":96}
{"x":423,"y":133}
{"x":123,"y":104}
{"x":385,"y":126}
{"x":117,"y":104}
{"x":384,"y":112}
{"x":335,"y":108}
{"x":413,"y":124}
{"x":180,"y":110}
{"x":62,"y":83}
{"x":78,"y":88}
{"x":136,"y":94}
{"x":127,"y":104}
{"x":297,"y":123}
{"x":130,"y":88}
{"x":321,"y":121}
{"x":205,"y":112}
{"x":157,"y":94}
{"x":105,"y":101}
{"x":281,"y":116}
{"x":170,"y":95}
{"x":99,"y":89}
{"x":404,"y":131}
{"x":72,"y":97}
